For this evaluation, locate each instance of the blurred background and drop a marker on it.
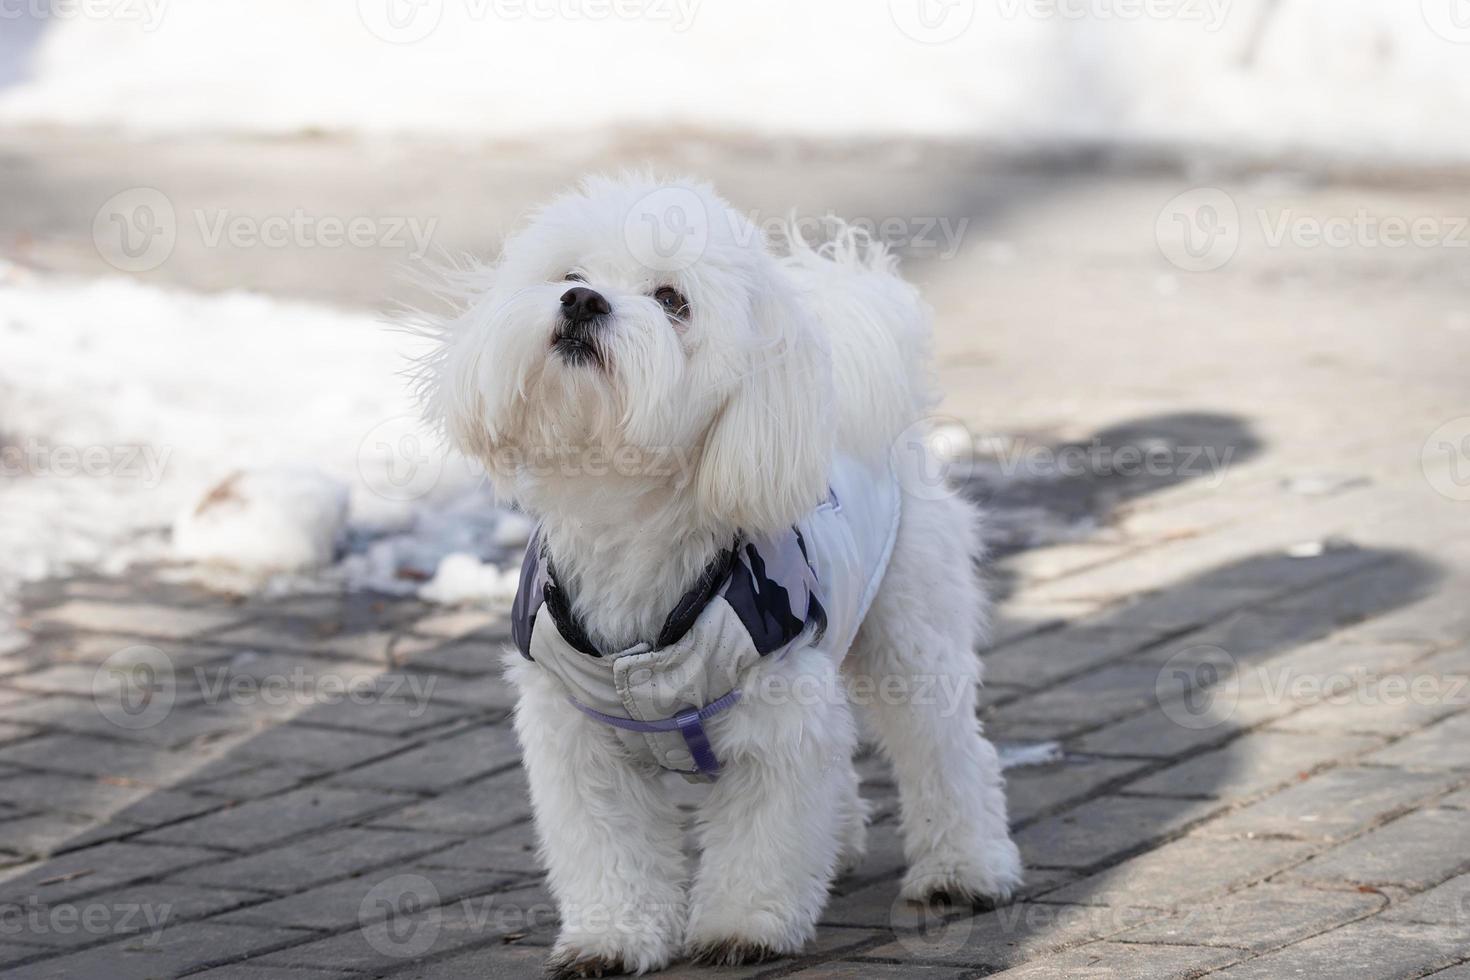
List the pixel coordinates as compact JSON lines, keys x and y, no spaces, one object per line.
{"x":1116,"y":207}
{"x":1230,"y":237}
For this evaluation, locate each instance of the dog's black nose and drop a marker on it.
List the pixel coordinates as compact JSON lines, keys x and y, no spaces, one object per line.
{"x":580,"y":304}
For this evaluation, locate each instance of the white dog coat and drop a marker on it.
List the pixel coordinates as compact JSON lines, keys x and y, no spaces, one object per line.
{"x":811,"y":586}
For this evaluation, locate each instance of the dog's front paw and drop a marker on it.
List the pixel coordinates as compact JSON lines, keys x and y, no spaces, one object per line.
{"x":743,"y":937}
{"x":979,"y":882}
{"x":576,"y":957}
{"x":730,"y":952}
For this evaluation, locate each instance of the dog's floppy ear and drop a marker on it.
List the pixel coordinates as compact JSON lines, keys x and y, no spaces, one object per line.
{"x":767,"y":457}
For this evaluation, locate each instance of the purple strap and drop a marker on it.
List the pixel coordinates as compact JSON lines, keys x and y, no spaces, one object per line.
{"x":689,"y":723}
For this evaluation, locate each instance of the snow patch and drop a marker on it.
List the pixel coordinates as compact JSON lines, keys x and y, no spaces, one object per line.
{"x":270,"y":520}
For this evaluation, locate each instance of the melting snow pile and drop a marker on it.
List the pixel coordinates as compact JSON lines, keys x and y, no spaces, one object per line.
{"x":125,"y":410}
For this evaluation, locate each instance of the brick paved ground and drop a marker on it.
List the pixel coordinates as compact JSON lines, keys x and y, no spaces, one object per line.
{"x":1259,"y":680}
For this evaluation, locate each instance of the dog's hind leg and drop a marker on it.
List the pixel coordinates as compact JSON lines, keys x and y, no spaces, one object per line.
{"x":916,"y":652}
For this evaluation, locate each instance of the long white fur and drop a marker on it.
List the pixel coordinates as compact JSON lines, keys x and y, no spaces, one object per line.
{"x":783,"y":361}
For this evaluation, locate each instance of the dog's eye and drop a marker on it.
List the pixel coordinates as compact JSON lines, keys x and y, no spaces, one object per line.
{"x":574,"y":277}
{"x":672,"y":301}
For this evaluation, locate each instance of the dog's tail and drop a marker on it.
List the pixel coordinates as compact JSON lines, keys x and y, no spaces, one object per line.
{"x":878,"y":327}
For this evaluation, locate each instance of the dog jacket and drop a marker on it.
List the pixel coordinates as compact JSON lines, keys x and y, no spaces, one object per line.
{"x":810,"y":585}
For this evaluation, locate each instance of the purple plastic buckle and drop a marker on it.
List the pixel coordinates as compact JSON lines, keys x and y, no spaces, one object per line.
{"x":688,"y":723}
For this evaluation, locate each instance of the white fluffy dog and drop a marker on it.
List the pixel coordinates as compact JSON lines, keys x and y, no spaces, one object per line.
{"x":680,"y":408}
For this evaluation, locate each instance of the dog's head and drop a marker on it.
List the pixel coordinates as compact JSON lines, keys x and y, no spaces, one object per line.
{"x":638,"y":335}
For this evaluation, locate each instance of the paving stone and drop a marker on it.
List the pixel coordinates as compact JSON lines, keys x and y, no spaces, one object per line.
{"x":1460,"y":799}
{"x":321,"y":749}
{"x":137,"y":619}
{"x":263,"y":780}
{"x":10,"y":732}
{"x":472,"y":657}
{"x":1281,"y":572}
{"x":1373,"y":949}
{"x":1259,"y":918}
{"x":12,"y":953}
{"x":1440,"y":746}
{"x":264,"y":821}
{"x":383,"y":718}
{"x":382,"y":946}
{"x":1157,"y":733}
{"x":41,"y":834}
{"x":178,"y":949}
{"x":1355,"y":596}
{"x":187,"y":722}
{"x":1032,"y":789}
{"x":455,"y":623}
{"x":1041,"y":660}
{"x":1327,"y":667}
{"x":1332,"y":805}
{"x":324,"y":635}
{"x":1252,"y":764}
{"x":1190,"y":869}
{"x":291,"y":680}
{"x":1370,"y":715}
{"x":1010,"y":935}
{"x":512,"y":849}
{"x":493,"y":962}
{"x":63,"y":878}
{"x":1185,"y":607}
{"x":1055,"y":560}
{"x":1099,"y":829}
{"x":247,"y":971}
{"x":861,"y":971}
{"x":441,"y":763}
{"x":140,"y":909}
{"x":878,"y":905}
{"x":487,"y":692}
{"x":1091,"y":699}
{"x":353,"y":902}
{"x":1103,"y":960}
{"x":1415,"y":851}
{"x":76,"y":679}
{"x":113,"y":759}
{"x":482,"y":807}
{"x":1391,"y":701}
{"x":320,"y":858}
{"x":1018,"y":617}
{"x":1447,"y":903}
